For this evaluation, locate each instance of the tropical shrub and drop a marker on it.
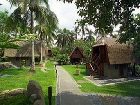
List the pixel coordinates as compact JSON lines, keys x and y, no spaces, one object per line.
{"x":62,"y":59}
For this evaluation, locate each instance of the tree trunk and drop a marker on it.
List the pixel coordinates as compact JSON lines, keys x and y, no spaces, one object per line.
{"x":83,"y":32}
{"x":41,"y":48}
{"x":33,"y":58}
{"x":41,"y":52}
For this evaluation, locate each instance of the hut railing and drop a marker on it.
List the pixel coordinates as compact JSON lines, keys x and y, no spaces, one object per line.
{"x":96,"y":63}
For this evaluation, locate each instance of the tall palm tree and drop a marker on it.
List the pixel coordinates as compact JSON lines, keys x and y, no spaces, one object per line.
{"x":29,"y":10}
{"x":46,"y":27}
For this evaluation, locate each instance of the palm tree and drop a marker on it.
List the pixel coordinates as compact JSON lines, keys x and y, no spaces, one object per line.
{"x":30,"y":10}
{"x":65,"y":38}
{"x":80,"y":28}
{"x":46,"y":27}
{"x":89,"y":34}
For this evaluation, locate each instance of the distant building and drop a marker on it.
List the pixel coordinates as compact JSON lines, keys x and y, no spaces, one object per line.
{"x":110,"y":58}
{"x":23,"y":55}
{"x":50,"y":53}
{"x":76,"y":56}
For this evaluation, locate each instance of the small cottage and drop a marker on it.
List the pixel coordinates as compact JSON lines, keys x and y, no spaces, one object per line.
{"x":76,"y":56}
{"x":23,"y":55}
{"x":110,"y":58}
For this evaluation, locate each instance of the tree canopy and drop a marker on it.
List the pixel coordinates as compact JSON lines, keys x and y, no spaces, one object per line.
{"x":3,"y":20}
{"x":105,"y":14}
{"x":6,"y":40}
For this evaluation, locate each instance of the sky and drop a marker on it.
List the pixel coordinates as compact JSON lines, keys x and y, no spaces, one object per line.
{"x":66,"y":12}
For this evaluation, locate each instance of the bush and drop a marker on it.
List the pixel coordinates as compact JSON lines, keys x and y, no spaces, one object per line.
{"x":62,"y":59}
{"x":55,"y":51}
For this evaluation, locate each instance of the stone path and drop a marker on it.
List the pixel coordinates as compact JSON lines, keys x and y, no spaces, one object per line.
{"x":68,"y":93}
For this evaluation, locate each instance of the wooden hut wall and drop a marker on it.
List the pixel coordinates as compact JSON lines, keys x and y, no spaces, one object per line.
{"x":102,"y":51}
{"x":76,"y":54}
{"x":115,"y":70}
{"x":110,"y":71}
{"x":103,"y":54}
{"x":20,"y":61}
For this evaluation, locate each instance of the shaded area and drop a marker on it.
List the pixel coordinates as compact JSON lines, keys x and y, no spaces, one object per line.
{"x":68,"y":98}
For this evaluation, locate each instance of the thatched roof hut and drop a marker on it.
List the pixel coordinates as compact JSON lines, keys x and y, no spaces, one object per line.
{"x":22,"y":55}
{"x":25,"y":50}
{"x":77,"y":55}
{"x":118,"y":53}
{"x":111,"y":58}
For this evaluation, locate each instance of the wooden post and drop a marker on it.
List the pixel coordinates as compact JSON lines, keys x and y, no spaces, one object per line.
{"x":50,"y":95}
{"x":77,"y":70}
{"x":56,"y":73}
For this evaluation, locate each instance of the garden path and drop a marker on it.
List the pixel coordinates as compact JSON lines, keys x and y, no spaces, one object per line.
{"x":68,"y":91}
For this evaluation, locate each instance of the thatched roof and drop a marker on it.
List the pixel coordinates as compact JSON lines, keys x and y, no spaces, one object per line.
{"x":25,"y":50}
{"x":117,"y":53}
{"x":76,"y":54}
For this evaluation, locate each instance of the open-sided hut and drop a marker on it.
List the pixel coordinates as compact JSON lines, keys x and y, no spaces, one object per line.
{"x":23,"y":55}
{"x":110,"y":58}
{"x":76,"y":56}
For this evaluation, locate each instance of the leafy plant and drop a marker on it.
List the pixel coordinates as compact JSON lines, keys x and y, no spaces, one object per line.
{"x":62,"y":59}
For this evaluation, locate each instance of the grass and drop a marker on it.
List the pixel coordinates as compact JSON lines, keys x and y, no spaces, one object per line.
{"x":123,"y":89}
{"x":21,"y":78}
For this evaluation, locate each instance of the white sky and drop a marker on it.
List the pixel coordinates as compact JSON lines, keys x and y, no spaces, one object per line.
{"x":66,"y":13}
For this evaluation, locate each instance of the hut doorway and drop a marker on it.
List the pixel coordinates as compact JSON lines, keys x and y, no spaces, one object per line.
{"x":95,"y":53}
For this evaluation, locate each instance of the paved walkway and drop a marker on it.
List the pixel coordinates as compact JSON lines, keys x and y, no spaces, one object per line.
{"x":69,"y":94}
{"x":65,"y":82}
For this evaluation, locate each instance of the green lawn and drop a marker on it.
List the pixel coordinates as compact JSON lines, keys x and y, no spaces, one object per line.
{"x":124,"y":89}
{"x":21,"y":78}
